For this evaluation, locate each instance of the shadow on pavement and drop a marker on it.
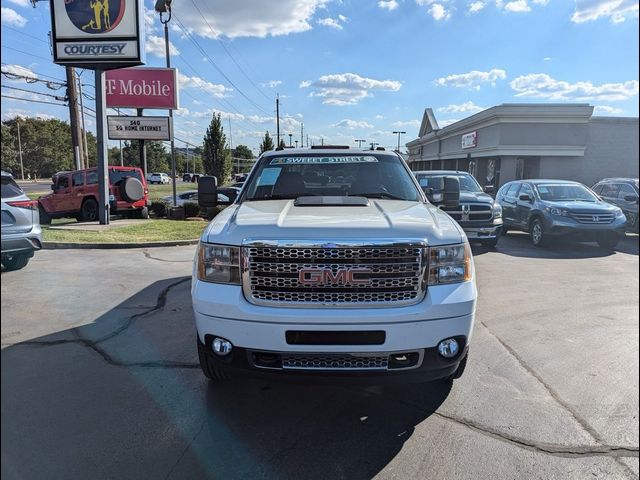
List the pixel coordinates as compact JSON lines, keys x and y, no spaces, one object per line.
{"x":123,"y":397}
{"x":518,"y":244}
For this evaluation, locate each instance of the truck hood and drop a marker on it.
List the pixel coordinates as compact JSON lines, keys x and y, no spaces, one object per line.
{"x":380,"y":219}
{"x":475,"y":197}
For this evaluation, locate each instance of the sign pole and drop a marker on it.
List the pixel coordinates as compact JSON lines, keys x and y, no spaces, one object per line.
{"x":143,"y":150}
{"x":102,"y":154}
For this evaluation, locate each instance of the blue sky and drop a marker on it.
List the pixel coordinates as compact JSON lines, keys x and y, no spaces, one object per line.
{"x":353,"y":69}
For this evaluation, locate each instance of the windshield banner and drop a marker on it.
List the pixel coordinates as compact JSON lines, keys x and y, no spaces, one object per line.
{"x":313,"y":160}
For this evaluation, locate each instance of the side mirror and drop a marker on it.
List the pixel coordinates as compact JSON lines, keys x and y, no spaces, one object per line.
{"x":631,"y":198}
{"x":489,"y":189}
{"x":451,"y":192}
{"x":208,"y":192}
{"x":525,"y":197}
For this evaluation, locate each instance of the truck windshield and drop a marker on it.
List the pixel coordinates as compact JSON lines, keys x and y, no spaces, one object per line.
{"x":565,"y":192}
{"x":363,"y":175}
{"x":467,"y":182}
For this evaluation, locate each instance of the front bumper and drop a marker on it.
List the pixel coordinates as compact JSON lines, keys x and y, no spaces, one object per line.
{"x":584,"y":231}
{"x":482,"y":231}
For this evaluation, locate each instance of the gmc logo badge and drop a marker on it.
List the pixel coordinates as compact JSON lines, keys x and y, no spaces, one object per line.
{"x":324,"y":276}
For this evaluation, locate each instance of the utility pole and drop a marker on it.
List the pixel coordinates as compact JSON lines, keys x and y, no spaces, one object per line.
{"x":142,"y":147}
{"x":20,"y":148}
{"x":102,"y":154}
{"x":186,"y":169}
{"x":399,"y":133}
{"x":307,"y":140}
{"x":301,"y":134}
{"x":278,"y":119}
{"x":360,"y":142}
{"x":76,"y":134}
{"x":85,"y":144}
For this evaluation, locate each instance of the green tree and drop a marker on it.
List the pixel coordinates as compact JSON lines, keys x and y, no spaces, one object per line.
{"x":113,"y":155}
{"x":216,"y":159}
{"x":157,"y":158}
{"x":10,"y":161}
{"x":281,"y":144}
{"x":267,"y":143}
{"x":242,"y":151}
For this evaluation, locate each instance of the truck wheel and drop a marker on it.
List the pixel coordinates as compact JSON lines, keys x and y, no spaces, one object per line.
{"x":609,"y":242}
{"x":461,"y":367}
{"x":15,"y":262}
{"x":538,"y":237}
{"x":208,"y":368}
{"x":491,"y":243}
{"x":45,"y":219}
{"x":141,"y":213}
{"x":89,"y":210}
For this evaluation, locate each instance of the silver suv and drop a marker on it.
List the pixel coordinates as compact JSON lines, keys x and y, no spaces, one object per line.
{"x":21,"y":233}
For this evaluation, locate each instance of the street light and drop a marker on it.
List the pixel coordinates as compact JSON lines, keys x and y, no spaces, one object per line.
{"x":374,"y":145}
{"x":296,"y":143}
{"x":290,"y":137}
{"x":360,"y":142}
{"x":164,"y":6}
{"x":399,"y":133}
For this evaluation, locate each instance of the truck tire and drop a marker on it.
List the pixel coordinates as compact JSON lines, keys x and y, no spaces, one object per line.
{"x":208,"y":368}
{"x":89,"y":210}
{"x":16,"y":261}
{"x":131,"y":189}
{"x":142,"y":213}
{"x":45,"y":219}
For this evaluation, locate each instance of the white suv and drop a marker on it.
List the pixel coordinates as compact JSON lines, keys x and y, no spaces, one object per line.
{"x":159,"y":178}
{"x":333,"y":263}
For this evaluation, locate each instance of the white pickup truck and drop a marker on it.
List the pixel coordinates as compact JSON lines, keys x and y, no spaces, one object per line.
{"x":332,"y":263}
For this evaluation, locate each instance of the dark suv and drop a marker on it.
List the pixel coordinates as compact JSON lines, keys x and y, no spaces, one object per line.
{"x":75,"y":194}
{"x":623,"y":193}
{"x":478,"y":214}
{"x":554,"y":208}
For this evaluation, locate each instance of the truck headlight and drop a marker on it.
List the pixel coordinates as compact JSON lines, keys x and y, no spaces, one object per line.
{"x":619,"y":213}
{"x":560,"y":212}
{"x":450,"y":264}
{"x":219,"y":263}
{"x":497,"y":210}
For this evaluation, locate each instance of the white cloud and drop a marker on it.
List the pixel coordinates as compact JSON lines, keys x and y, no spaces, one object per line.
{"x":473,"y":79}
{"x":388,"y":4}
{"x":150,"y":20}
{"x":606,"y":110}
{"x":215,"y":89}
{"x":21,"y":3}
{"x":615,"y":10}
{"x":347,"y":88}
{"x":445,"y":123}
{"x":272,"y":83}
{"x":541,"y":85}
{"x":378,"y":117}
{"x":248,"y":18}
{"x":517,"y":6}
{"x":475,"y":7}
{"x":439,"y":12}
{"x":333,"y":22}
{"x":352,"y":124}
{"x":10,"y":113}
{"x":466,"y":107}
{"x":407,"y":123}
{"x":547,"y":59}
{"x":155,"y":46}
{"x":11,"y":17}
{"x":19,"y":70}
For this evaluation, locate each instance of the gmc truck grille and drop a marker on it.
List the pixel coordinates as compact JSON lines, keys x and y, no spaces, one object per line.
{"x":469,"y":212}
{"x":338,"y":276}
{"x":593,"y":218}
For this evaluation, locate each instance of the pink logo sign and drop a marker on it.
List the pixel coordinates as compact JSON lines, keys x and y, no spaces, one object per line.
{"x":142,"y":87}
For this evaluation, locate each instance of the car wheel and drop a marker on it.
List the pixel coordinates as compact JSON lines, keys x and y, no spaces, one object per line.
{"x":141,"y":213}
{"x":461,"y":368}
{"x":208,"y":368}
{"x":15,"y":262}
{"x":609,"y":242}
{"x":538,"y":237}
{"x":491,"y":243}
{"x":89,"y":210}
{"x":45,"y":219}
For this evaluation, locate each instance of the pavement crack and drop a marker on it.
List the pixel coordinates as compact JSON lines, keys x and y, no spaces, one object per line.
{"x":186,"y":449}
{"x":148,"y":255}
{"x":570,"y":451}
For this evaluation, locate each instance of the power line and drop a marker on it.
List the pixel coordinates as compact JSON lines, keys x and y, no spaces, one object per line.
{"x":29,"y":79}
{"x":199,"y":47}
{"x":34,"y":101}
{"x":26,"y":53}
{"x":25,"y":34}
{"x":57,"y":97}
{"x":64,"y":82}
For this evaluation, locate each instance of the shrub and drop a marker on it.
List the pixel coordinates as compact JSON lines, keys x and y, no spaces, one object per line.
{"x":191,"y":209}
{"x":159,"y":208}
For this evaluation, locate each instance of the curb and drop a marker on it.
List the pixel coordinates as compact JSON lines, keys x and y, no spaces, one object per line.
{"x":115,"y":246}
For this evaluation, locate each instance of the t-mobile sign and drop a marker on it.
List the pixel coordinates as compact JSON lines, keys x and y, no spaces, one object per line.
{"x":142,"y":87}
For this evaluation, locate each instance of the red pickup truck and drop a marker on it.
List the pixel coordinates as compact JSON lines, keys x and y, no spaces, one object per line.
{"x":75,"y":194}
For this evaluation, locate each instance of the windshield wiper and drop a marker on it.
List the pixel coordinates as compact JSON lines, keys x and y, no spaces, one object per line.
{"x":377,"y":195}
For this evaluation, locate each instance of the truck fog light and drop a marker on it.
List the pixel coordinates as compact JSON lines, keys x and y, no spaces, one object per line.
{"x":448,"y":348}
{"x":221,"y":346}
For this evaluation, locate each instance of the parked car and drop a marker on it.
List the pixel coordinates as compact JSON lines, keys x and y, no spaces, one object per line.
{"x":75,"y":194}
{"x":192,"y":196}
{"x":195,"y":177}
{"x":21,"y":232}
{"x":479,"y":215}
{"x":159,"y":178}
{"x":560,"y":208}
{"x":186,"y":177}
{"x":361,"y":281}
{"x":623,"y":193}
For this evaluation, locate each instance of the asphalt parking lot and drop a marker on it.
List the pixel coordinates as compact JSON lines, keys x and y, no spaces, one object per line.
{"x":100,"y":380}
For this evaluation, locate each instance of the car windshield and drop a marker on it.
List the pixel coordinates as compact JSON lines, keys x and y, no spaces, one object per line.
{"x":116,"y":176}
{"x":565,"y":192}
{"x":467,"y":182}
{"x":365,"y":175}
